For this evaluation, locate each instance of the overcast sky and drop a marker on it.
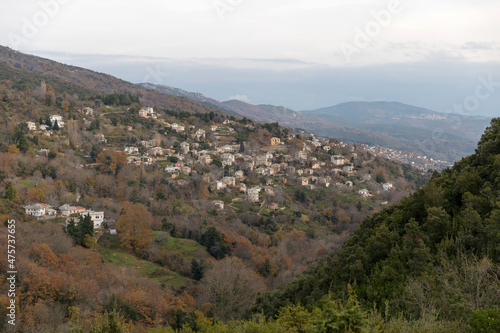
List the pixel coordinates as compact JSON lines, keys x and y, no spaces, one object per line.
{"x":301,"y":54}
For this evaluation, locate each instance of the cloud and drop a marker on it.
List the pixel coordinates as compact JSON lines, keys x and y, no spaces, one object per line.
{"x":243,"y":98}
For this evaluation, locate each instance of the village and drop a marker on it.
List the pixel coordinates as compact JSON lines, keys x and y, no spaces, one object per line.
{"x":212,"y":153}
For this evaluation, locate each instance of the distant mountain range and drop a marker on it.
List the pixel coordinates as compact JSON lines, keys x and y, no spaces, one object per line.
{"x":443,"y":136}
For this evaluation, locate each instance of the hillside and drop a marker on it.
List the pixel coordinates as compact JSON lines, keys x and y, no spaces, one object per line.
{"x":98,"y":82}
{"x":140,"y":213}
{"x":436,"y":253}
{"x":200,"y":98}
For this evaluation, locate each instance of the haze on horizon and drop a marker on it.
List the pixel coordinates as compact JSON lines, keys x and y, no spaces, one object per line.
{"x":300,"y":54}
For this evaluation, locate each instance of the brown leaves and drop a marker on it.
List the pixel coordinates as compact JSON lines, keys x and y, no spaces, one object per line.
{"x":134,"y":227}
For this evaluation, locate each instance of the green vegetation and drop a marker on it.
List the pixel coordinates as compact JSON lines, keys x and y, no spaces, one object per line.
{"x":117,"y":257}
{"x":422,"y":256}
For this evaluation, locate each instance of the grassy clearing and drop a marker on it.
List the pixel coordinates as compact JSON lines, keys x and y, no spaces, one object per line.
{"x":188,"y":248}
{"x":112,"y":254}
{"x":28,"y":183}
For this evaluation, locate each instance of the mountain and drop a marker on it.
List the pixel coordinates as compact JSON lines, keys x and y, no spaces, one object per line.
{"x":394,"y":125}
{"x":385,"y":116}
{"x":198,"y":97}
{"x":435,"y":252}
{"x":99,"y":82}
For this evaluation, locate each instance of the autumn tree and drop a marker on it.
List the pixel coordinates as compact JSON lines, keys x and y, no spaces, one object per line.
{"x":134,"y":227}
{"x":112,"y":161}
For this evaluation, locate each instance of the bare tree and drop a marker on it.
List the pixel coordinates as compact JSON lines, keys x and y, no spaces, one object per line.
{"x":231,"y":287}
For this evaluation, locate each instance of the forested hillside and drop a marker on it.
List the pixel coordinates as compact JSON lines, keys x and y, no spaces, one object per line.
{"x":436,"y":253}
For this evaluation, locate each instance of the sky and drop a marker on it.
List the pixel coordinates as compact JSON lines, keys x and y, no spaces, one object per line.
{"x":301,"y":54}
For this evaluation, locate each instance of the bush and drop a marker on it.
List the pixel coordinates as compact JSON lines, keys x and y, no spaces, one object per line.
{"x":485,"y":320}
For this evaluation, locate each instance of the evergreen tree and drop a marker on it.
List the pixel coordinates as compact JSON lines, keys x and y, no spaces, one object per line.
{"x":73,"y":230}
{"x":86,"y":228}
{"x":56,"y":126}
{"x":48,"y":122}
{"x":10,"y":191}
{"x":78,"y":231}
{"x":197,"y":269}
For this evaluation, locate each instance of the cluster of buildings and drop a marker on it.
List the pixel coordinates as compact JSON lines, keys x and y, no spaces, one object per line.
{"x":45,"y":129}
{"x":43,"y":211}
{"x":420,"y":162}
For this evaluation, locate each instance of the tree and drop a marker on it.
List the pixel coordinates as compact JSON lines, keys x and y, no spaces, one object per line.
{"x":213,"y":239}
{"x":81,"y":231}
{"x":20,"y":139}
{"x":197,"y":269}
{"x":231,"y":287}
{"x":334,"y":317}
{"x":48,"y":122}
{"x":112,"y":161}
{"x":56,"y":126}
{"x":134,"y":227}
{"x":10,"y":191}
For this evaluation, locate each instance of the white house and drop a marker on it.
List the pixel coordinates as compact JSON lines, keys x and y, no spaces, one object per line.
{"x":57,"y":118}
{"x":253,"y":194}
{"x":184,"y":147}
{"x":364,"y":193}
{"x":229,"y":181}
{"x":200,"y":135}
{"x":178,"y":128}
{"x":205,"y":158}
{"x":349,"y":168}
{"x":301,"y":155}
{"x":338,"y":160}
{"x":131,"y":150}
{"x":218,"y":204}
{"x":36,"y":210}
{"x":303,"y":181}
{"x":228,"y":158}
{"x":219,"y":185}
{"x":87,"y":111}
{"x":97,"y":218}
{"x":172,"y":169}
{"x":387,"y":186}
{"x":148,"y":112}
{"x":31,"y":126}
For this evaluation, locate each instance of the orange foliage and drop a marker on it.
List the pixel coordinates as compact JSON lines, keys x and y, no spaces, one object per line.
{"x":134,"y":227}
{"x":43,"y":255}
{"x":114,"y":160}
{"x":35,"y":195}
